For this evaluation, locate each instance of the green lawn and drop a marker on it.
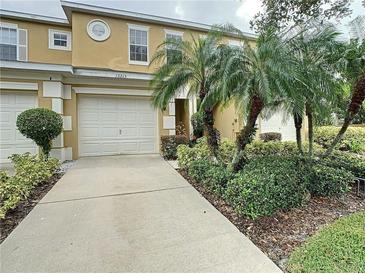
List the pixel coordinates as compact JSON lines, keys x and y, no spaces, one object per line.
{"x":339,"y":247}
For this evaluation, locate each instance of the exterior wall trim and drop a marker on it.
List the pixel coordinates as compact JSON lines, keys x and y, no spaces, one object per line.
{"x":111,"y":91}
{"x":112,"y":74}
{"x":35,"y":66}
{"x":33,"y":17}
{"x":19,"y":85}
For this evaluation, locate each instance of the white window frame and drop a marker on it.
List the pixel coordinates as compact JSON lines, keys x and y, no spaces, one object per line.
{"x":12,"y":26}
{"x":142,"y":28}
{"x":235,"y":43}
{"x":51,"y":44}
{"x":173,"y":32}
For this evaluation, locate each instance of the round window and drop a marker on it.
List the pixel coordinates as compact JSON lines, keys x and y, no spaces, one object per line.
{"x":98,"y":30}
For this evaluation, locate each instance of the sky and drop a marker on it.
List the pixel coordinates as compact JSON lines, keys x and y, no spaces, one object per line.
{"x":236,"y":12}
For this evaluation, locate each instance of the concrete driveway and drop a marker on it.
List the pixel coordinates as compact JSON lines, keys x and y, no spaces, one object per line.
{"x":128,"y":214}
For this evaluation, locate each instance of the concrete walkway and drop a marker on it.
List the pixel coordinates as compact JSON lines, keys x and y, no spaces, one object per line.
{"x":128,"y":214}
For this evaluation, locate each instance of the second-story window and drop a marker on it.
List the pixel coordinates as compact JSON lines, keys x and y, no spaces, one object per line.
{"x":13,"y":42}
{"x":172,"y":52}
{"x":8,"y":43}
{"x":59,"y":40}
{"x":138,"y":45}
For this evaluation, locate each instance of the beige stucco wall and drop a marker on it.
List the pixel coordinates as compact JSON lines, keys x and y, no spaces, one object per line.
{"x":227,"y":121}
{"x":38,"y":50}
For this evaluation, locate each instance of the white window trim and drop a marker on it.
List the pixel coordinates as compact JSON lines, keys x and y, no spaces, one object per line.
{"x":94,"y":37}
{"x":235,"y":43}
{"x":13,"y":26}
{"x":51,"y":44}
{"x":174,"y":32}
{"x":142,"y":28}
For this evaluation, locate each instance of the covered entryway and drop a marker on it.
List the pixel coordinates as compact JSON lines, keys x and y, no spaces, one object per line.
{"x":11,"y":140}
{"x":110,"y":125}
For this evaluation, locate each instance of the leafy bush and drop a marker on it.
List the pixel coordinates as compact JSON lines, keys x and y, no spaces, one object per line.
{"x":186,"y":155}
{"x":226,"y":150}
{"x":270,"y":136}
{"x":348,"y":161}
{"x":323,"y":180}
{"x":41,"y":125}
{"x":214,"y":176}
{"x":169,"y":145}
{"x":354,"y":139}
{"x":265,"y":185}
{"x":29,"y":171}
{"x":338,"y":247}
{"x":197,"y":121}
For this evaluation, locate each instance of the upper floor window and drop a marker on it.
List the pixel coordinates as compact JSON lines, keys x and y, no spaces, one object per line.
{"x":138,"y":45}
{"x":59,"y":40}
{"x":173,"y":54}
{"x":13,"y":43}
{"x":235,"y":43}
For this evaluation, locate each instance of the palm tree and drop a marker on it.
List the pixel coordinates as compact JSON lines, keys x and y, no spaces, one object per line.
{"x":191,"y":68}
{"x":255,"y":78}
{"x":351,"y":64}
{"x":315,"y":85}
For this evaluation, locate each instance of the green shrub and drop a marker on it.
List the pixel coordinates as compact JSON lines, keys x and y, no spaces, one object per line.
{"x":348,"y":161}
{"x":338,"y":247}
{"x":169,"y":145}
{"x":213,"y":175}
{"x":29,"y":171}
{"x":197,"y":121}
{"x":226,"y":150}
{"x":265,"y":185}
{"x":323,"y":180}
{"x":270,"y":136}
{"x":41,"y":125}
{"x":354,"y":139}
{"x":186,"y":155}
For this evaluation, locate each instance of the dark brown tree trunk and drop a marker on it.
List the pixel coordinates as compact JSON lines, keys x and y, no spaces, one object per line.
{"x":213,"y":134}
{"x":245,"y":135}
{"x":308,"y":110}
{"x":357,"y":99}
{"x":298,"y":122}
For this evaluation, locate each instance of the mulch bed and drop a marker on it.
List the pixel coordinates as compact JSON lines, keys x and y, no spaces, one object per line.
{"x":279,"y":234}
{"x":15,"y":216}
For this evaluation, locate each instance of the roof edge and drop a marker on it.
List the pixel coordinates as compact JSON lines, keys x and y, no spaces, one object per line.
{"x":69,"y":6}
{"x":33,"y":17}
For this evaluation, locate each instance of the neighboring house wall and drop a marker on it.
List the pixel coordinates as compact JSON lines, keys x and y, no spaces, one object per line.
{"x":38,"y":42}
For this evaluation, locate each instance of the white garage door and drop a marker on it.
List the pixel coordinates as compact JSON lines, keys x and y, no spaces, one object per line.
{"x":11,"y":140}
{"x":116,"y":125}
{"x":278,"y":122}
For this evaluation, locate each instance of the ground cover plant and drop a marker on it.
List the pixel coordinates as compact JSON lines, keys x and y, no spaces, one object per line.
{"x":339,"y":247}
{"x":30,"y":171}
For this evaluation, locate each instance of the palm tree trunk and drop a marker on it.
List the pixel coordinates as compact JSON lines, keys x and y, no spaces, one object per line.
{"x":245,"y":135}
{"x":309,"y":113}
{"x":213,"y":133}
{"x":298,"y":122}
{"x":357,"y":99}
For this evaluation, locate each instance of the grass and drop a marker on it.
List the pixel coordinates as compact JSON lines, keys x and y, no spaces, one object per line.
{"x":339,"y":247}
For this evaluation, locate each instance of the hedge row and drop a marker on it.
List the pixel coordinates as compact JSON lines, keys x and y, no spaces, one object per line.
{"x":275,"y":177}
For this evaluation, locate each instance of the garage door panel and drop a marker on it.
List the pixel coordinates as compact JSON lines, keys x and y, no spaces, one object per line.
{"x":119,"y":125}
{"x":11,"y":140}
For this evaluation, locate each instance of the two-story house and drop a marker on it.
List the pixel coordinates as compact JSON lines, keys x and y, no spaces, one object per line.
{"x":93,"y":69}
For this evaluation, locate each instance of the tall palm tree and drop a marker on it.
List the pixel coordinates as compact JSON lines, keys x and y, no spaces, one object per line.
{"x":255,"y":78}
{"x":191,"y":69}
{"x":351,"y":64}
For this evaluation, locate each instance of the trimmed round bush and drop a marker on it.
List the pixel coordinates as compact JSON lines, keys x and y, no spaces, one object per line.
{"x":267,"y":184}
{"x":323,"y":180}
{"x":41,"y":125}
{"x":270,"y":136}
{"x":169,"y":145}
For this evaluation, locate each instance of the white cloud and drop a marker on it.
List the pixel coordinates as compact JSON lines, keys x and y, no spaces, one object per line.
{"x":248,"y":9}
